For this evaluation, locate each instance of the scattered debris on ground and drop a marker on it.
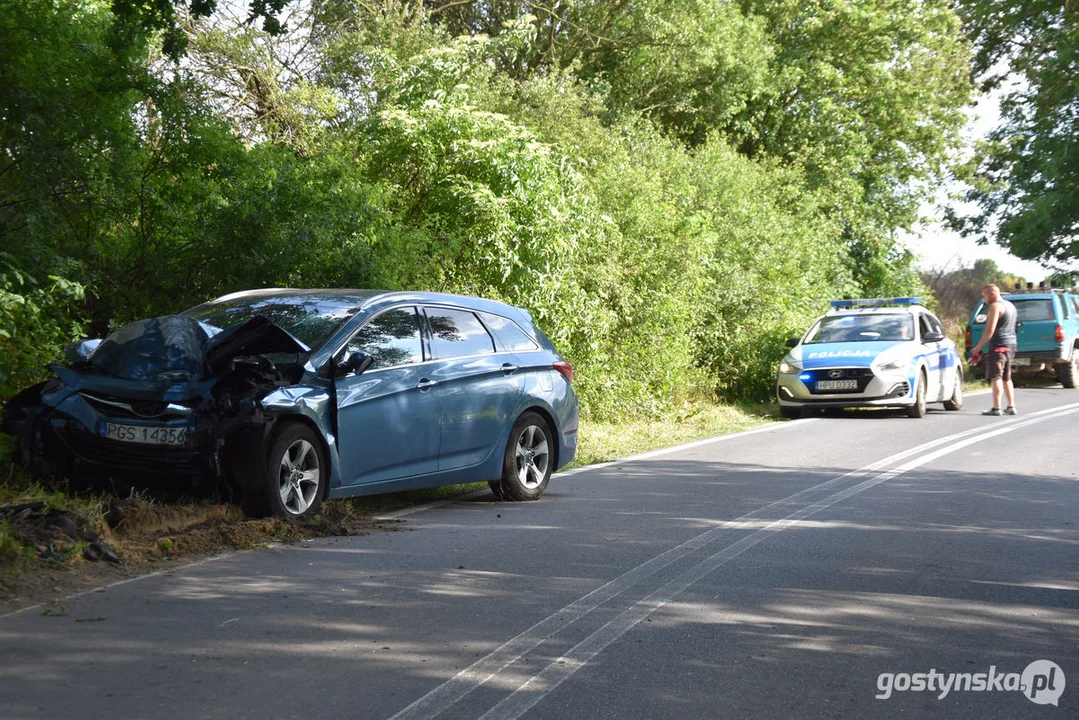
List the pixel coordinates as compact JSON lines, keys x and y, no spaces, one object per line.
{"x":49,"y":550}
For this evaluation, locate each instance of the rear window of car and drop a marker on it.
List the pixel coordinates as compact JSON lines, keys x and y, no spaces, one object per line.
{"x":509,"y":334}
{"x":1033,"y":309}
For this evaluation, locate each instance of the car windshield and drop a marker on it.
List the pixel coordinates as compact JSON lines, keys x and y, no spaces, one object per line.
{"x":312,"y":320}
{"x":861,"y":328}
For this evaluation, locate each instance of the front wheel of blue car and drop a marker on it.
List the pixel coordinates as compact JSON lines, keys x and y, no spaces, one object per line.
{"x":296,"y":472}
{"x":528,"y":462}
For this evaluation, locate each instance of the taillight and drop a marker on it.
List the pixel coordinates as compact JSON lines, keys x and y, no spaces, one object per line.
{"x":1059,"y":332}
{"x":969,"y":343}
{"x":565,"y":369}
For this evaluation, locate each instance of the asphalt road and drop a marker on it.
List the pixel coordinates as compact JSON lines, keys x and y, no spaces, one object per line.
{"x":799,"y":571}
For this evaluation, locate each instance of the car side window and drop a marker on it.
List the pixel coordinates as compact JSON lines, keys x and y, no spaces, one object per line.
{"x":934,"y":323}
{"x":1075,"y":302}
{"x":1064,"y":306}
{"x":923,"y":325}
{"x":391,"y":338}
{"x":509,"y":333}
{"x":457,"y":333}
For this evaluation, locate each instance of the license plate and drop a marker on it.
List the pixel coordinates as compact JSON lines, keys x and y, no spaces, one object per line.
{"x":837,"y":384}
{"x":1021,"y":361}
{"x":145,"y":434}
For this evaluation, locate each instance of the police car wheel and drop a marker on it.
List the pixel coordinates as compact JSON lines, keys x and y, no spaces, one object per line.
{"x":917,"y":410}
{"x":956,"y":401}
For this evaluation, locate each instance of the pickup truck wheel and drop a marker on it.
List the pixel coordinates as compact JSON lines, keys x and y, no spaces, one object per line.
{"x":1069,"y":371}
{"x":956,"y":401}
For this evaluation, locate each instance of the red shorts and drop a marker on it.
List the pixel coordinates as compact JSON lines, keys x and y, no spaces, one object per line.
{"x":998,"y":362}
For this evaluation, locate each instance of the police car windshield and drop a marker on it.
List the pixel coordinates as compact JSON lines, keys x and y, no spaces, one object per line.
{"x":861,"y":328}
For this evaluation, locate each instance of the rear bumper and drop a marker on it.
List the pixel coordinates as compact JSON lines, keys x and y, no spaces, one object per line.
{"x":1042,"y":361}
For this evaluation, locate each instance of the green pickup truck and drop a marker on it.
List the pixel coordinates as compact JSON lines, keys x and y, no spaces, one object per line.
{"x":1048,"y":334}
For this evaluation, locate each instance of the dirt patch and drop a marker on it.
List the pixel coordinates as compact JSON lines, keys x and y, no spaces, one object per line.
{"x":51,"y":553}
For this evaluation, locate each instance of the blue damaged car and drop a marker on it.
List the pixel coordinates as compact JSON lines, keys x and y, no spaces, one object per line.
{"x":294,"y":396}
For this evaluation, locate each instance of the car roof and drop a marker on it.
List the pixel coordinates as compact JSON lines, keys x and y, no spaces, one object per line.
{"x":1034,"y":296}
{"x":906,"y":310}
{"x":366,"y":299}
{"x":344,"y":295}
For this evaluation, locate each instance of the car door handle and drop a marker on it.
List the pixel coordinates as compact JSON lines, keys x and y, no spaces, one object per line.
{"x":426,"y":383}
{"x":509,"y":368}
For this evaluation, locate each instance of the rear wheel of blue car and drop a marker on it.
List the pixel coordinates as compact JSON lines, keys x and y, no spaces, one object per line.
{"x":296,"y":472}
{"x":528,"y":462}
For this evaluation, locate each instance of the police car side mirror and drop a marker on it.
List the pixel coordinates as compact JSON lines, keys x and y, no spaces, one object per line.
{"x":792,"y":342}
{"x":932,"y":337}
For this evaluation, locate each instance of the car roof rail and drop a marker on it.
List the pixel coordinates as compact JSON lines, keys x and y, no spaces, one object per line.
{"x":1020,"y":290}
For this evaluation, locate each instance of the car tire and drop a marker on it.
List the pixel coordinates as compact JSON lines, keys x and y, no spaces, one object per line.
{"x":528,"y":461}
{"x":917,"y":410}
{"x":791,"y":413}
{"x":296,"y":475}
{"x":1068,"y":373}
{"x":956,"y":401}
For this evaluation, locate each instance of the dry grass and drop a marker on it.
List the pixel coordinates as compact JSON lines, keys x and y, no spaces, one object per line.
{"x":606,"y":441}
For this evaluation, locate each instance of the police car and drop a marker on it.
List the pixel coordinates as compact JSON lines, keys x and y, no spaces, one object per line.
{"x":871,"y":352}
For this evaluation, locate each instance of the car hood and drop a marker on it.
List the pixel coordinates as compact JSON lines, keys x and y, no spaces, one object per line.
{"x":176,"y":348}
{"x":850,"y":354}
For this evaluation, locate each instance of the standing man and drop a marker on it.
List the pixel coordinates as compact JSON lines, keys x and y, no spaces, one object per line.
{"x":1000,"y":336}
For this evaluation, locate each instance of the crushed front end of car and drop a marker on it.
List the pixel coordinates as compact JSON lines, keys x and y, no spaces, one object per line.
{"x":159,"y":404}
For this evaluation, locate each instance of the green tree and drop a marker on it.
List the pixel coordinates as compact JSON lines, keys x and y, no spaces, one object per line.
{"x":867,"y":97}
{"x":1025,"y":180}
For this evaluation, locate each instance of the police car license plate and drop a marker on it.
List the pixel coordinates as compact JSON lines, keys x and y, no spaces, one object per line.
{"x":145,"y":434}
{"x":837,"y":384}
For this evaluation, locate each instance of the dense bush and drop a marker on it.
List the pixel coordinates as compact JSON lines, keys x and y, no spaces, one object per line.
{"x":641,"y":192}
{"x":36,"y":320}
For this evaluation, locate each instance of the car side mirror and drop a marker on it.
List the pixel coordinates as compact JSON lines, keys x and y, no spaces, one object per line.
{"x":932,"y":337}
{"x":357,"y":363}
{"x":792,"y":342}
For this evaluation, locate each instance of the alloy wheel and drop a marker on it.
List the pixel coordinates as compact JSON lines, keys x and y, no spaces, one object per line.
{"x":299,"y":477}
{"x":532,"y":456}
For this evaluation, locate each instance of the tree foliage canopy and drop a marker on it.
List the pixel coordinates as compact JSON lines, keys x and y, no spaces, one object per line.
{"x":671,"y":187}
{"x":1025,"y":179}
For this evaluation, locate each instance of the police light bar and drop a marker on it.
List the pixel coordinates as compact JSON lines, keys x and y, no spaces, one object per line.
{"x":876,"y":302}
